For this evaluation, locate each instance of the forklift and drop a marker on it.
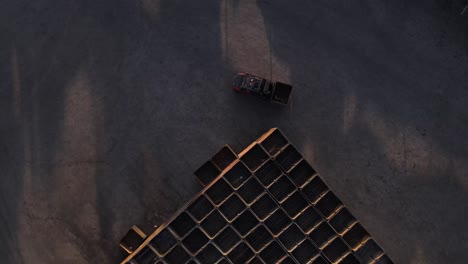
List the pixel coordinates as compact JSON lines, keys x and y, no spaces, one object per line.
{"x":275,"y":92}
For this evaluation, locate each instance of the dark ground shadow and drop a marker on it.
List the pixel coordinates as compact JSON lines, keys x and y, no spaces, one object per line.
{"x":98,"y":100}
{"x":36,"y":63}
{"x":386,"y":125}
{"x":11,"y":144}
{"x":107,"y":107}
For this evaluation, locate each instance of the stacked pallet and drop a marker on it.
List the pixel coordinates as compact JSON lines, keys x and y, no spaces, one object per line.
{"x":265,"y":205}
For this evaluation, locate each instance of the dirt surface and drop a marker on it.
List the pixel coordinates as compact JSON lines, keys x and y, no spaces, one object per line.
{"x":107,"y":107}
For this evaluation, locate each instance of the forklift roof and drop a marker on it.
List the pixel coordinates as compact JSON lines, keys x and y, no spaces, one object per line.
{"x":252,"y":83}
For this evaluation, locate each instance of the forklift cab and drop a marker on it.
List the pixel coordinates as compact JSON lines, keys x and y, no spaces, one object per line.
{"x":248,"y":83}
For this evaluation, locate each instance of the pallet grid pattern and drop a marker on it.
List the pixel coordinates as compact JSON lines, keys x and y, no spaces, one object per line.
{"x":265,"y":205}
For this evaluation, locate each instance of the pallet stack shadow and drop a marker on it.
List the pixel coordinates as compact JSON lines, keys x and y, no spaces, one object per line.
{"x":265,"y":205}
